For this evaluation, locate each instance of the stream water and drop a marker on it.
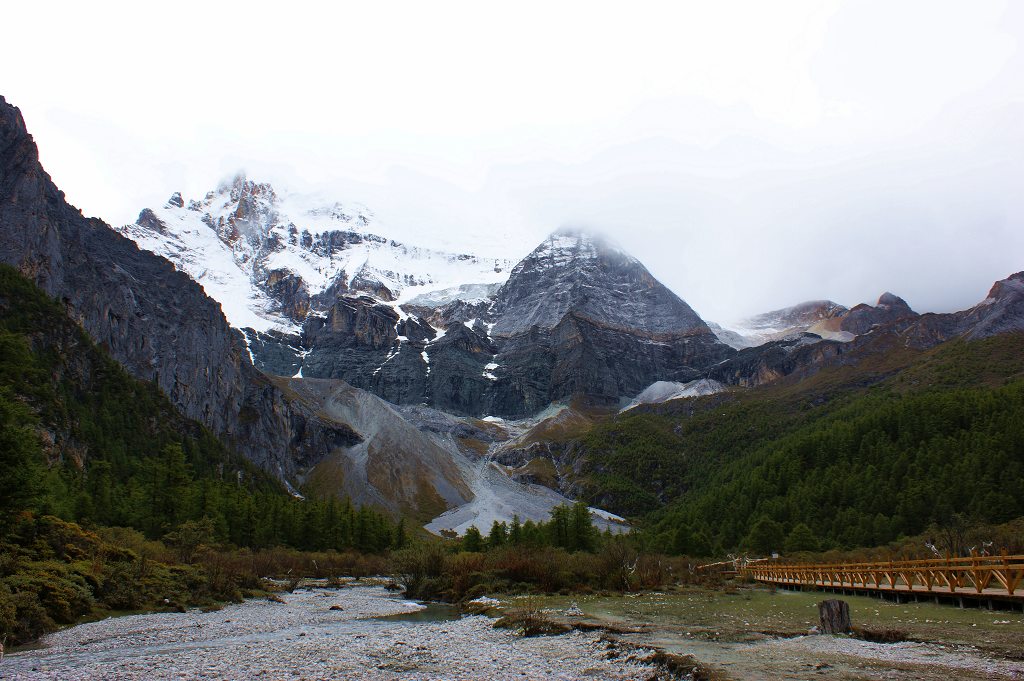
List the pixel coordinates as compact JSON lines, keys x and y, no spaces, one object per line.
{"x":430,"y":612}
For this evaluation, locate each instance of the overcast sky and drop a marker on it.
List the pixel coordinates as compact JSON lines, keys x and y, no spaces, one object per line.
{"x":751,"y":154}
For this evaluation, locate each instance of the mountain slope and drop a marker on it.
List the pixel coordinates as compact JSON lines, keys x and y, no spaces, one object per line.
{"x":163,"y":329}
{"x":394,"y":466}
{"x":117,"y":452}
{"x":152,"y":319}
{"x":159,"y":324}
{"x":884,"y":465}
{"x":860,"y":452}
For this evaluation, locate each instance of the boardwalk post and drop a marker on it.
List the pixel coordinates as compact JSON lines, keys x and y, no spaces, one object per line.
{"x":834,"y":617}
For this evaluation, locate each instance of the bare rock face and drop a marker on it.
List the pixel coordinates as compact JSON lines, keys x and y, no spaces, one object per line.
{"x":862,"y":318}
{"x":771,"y":361}
{"x":1002,"y":311}
{"x":153,"y":319}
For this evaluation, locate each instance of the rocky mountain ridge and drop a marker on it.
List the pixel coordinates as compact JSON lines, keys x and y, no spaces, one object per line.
{"x":778,"y":324}
{"x":824,"y":318}
{"x":577,"y":317}
{"x":867,"y":329}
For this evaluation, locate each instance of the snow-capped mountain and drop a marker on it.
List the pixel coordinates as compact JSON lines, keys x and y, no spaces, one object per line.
{"x":271,"y":259}
{"x":580,"y":316}
{"x":585,"y":274}
{"x":577,"y":317}
{"x":318,"y":293}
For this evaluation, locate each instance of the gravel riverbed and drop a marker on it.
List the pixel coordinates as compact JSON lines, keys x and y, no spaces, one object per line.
{"x":304,"y":638}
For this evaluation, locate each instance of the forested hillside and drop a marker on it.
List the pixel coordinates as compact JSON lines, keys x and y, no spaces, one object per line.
{"x":119,"y":454}
{"x":883,"y":452}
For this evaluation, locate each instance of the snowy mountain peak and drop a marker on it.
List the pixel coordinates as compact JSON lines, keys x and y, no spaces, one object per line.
{"x":574,"y":272}
{"x":568,"y":245}
{"x":272,"y":257}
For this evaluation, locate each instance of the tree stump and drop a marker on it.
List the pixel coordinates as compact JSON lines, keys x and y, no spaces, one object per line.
{"x":834,"y":617}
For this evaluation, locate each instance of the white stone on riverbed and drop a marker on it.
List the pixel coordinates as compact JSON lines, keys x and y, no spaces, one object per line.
{"x":303,"y":638}
{"x":486,"y":600}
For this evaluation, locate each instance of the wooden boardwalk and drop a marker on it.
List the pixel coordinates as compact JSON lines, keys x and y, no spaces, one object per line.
{"x":975,"y":577}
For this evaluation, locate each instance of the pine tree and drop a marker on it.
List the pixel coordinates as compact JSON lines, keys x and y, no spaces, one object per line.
{"x":498,"y":535}
{"x":401,"y":540}
{"x":532,"y":534}
{"x":515,"y":531}
{"x":765,"y":536}
{"x":682,"y":541}
{"x":801,"y":538}
{"x":558,"y":527}
{"x":473,"y":541}
{"x":581,"y":529}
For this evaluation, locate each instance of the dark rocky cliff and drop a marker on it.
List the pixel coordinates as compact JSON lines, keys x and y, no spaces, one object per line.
{"x":154,"y":320}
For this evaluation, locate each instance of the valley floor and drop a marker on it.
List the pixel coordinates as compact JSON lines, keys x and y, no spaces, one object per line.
{"x":749,"y":633}
{"x":304,"y":638}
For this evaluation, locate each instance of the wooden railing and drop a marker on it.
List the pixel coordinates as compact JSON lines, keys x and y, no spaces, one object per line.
{"x":988,"y":576}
